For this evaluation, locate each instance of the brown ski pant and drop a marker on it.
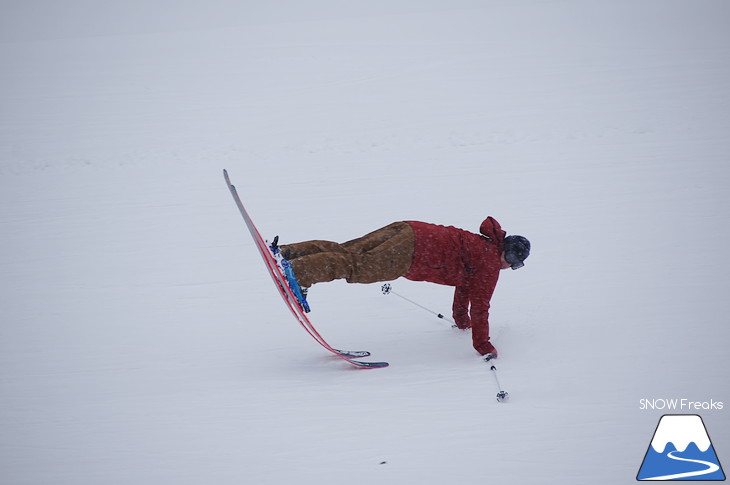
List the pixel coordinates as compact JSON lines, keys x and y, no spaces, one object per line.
{"x":382,"y":255}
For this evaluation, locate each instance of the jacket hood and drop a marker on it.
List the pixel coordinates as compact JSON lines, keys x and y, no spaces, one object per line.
{"x":491,"y":228}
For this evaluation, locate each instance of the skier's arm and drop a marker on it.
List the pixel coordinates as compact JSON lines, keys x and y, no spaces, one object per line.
{"x":479,"y":312}
{"x":461,"y":307}
{"x":480,"y":325}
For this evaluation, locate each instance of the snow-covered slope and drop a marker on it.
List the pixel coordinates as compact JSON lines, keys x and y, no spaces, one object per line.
{"x":141,"y":340}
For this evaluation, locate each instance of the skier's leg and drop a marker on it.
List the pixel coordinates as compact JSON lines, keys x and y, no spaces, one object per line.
{"x":382,"y":255}
{"x":322,"y":267}
{"x":386,"y":254}
{"x":359,"y":245}
{"x":370,"y":241}
{"x":306,"y":248}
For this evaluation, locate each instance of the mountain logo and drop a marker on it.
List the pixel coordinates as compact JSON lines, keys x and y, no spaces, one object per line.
{"x":681,"y":450}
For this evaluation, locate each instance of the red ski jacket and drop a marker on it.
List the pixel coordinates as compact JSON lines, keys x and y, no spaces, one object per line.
{"x":468,"y":261}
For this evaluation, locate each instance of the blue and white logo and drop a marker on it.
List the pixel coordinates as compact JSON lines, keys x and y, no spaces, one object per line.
{"x":681,"y":450}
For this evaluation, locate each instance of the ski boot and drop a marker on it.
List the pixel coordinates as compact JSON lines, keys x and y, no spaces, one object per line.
{"x":287,"y":271}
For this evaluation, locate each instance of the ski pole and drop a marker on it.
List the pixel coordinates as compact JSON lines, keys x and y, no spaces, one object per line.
{"x":387,"y":289}
{"x":501,"y":395}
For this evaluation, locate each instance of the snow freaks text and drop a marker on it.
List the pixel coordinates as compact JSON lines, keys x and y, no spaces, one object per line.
{"x":679,"y":404}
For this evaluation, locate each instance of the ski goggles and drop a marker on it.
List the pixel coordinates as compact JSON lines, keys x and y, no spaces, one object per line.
{"x":514,"y":260}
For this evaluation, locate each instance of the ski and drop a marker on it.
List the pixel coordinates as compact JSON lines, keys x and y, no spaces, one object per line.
{"x":286,"y":292}
{"x":353,"y":354}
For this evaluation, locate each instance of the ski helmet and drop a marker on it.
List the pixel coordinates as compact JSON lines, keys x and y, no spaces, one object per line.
{"x":516,"y":251}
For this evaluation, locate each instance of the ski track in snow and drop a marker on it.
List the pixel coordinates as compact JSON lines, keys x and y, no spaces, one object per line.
{"x":142,"y":342}
{"x":711,"y":468}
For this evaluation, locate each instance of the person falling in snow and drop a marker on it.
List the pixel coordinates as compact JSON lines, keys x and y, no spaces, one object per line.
{"x":418,"y":251}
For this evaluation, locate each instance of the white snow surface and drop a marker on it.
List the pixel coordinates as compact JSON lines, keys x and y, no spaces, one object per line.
{"x":142,"y":341}
{"x":680,"y":429}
